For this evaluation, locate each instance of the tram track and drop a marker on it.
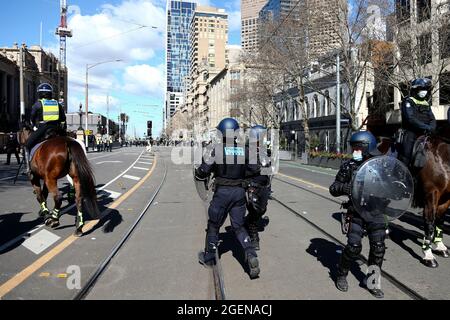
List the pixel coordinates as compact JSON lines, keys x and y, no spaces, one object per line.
{"x":102,"y":267}
{"x":389,"y":277}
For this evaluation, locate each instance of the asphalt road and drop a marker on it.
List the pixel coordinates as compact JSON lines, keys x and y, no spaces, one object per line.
{"x":159,"y":260}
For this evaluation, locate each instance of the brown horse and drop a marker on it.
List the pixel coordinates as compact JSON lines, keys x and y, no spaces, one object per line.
{"x":53,"y":160}
{"x":433,"y":194}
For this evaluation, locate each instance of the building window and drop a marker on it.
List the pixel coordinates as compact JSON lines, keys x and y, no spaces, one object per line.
{"x":444,"y":41}
{"x":403,"y":9}
{"x":423,"y":10}
{"x":425,"y":54}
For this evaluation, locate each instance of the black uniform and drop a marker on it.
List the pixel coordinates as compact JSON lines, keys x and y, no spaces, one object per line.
{"x":376,"y":231}
{"x":229,"y":196}
{"x":44,"y":128}
{"x":12,"y":146}
{"x":417,"y":119}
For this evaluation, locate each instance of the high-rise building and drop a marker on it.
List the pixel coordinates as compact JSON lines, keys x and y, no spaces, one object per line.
{"x":179,"y":16}
{"x":249,"y":21}
{"x":321,"y":21}
{"x":208,"y":39}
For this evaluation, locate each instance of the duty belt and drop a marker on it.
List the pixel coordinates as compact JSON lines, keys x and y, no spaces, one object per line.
{"x":231,"y":182}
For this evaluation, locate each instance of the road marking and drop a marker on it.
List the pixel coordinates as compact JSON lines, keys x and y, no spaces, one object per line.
{"x":150,"y":163}
{"x":7,"y":178}
{"x":23,"y":275}
{"x":304,"y":181}
{"x":29,"y":233}
{"x":103,"y":162}
{"x":40,"y":241}
{"x":110,"y":194}
{"x":131,"y":177}
{"x":292,"y":165}
{"x":44,"y":275}
{"x":139,"y":168}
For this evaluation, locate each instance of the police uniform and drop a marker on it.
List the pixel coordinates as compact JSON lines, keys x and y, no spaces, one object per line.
{"x":12,"y":146}
{"x":229,"y":169}
{"x":259,"y":189}
{"x":417,"y":119}
{"x":46,"y":115}
{"x":376,"y":231}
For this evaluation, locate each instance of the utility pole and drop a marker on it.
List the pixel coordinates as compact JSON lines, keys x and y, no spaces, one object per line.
{"x":107,"y":115}
{"x":338,"y":103}
{"x":21,"y":81}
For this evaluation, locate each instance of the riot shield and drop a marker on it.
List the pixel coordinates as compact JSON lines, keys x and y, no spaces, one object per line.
{"x":382,"y":189}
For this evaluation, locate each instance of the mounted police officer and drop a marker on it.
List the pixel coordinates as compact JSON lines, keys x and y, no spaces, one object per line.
{"x":258,"y":190}
{"x":364,"y":146}
{"x":228,"y":162}
{"x":47,"y":117}
{"x":417,"y":117}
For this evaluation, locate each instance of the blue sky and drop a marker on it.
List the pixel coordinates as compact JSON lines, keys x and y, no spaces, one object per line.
{"x":108,"y":30}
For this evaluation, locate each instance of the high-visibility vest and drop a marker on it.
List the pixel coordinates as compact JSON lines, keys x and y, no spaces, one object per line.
{"x":420,"y":102}
{"x":50,"y":110}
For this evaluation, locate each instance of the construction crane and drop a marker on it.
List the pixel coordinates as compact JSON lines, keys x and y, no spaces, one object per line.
{"x":63,"y":32}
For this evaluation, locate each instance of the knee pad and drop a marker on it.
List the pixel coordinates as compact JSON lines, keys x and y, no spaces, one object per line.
{"x":378,"y":249}
{"x":353,"y":251}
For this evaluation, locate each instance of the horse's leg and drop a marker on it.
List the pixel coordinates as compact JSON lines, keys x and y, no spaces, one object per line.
{"x":52,"y":186}
{"x":439,"y":246}
{"x":79,"y":221}
{"x":431,"y":205}
{"x":41,"y":196}
{"x":71,"y":193}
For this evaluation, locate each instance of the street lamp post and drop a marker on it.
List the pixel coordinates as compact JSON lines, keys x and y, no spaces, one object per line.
{"x":88,"y":67}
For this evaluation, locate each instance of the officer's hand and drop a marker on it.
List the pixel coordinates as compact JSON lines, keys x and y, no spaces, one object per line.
{"x":35,"y":128}
{"x":347,"y":189}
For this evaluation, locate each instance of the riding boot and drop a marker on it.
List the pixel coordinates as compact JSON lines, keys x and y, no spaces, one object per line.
{"x":251,"y":259}
{"x":27,"y":162}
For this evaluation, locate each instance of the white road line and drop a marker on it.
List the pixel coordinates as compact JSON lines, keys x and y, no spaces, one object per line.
{"x":150,"y":163}
{"x":7,"y":178}
{"x":139,"y":168}
{"x":40,"y":241}
{"x":103,"y":162}
{"x":29,"y":233}
{"x":131,"y":177}
{"x":110,"y":194}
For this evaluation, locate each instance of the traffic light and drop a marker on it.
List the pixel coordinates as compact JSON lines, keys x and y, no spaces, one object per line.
{"x":149,"y":129}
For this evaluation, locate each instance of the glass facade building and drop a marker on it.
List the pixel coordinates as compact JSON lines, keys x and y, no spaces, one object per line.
{"x":179,"y":16}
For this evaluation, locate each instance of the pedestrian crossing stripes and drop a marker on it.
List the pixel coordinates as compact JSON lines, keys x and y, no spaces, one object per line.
{"x":145,"y":162}
{"x":110,"y":194}
{"x":132,"y":177}
{"x":139,"y":168}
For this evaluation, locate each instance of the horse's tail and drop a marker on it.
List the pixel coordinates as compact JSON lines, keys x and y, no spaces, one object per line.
{"x":86,"y":178}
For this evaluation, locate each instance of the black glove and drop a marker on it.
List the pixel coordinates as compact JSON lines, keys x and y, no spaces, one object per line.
{"x":347,"y":189}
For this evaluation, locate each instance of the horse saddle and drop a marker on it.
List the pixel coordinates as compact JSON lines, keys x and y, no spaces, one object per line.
{"x":419,"y":153}
{"x":35,"y":148}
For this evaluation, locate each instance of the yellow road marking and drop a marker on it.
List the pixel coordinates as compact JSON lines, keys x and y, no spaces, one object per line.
{"x":15,"y":281}
{"x":44,"y":275}
{"x":304,"y":181}
{"x":62,"y":276}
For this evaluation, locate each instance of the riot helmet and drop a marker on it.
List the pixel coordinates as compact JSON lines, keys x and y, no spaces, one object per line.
{"x":45,"y":91}
{"x":364,"y":144}
{"x":227,"y":124}
{"x":421,"y":88}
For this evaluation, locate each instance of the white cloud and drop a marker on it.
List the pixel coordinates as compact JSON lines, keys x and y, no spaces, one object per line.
{"x":115,"y":32}
{"x":144,"y":80}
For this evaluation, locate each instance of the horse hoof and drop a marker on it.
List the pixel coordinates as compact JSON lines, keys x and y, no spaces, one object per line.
{"x":55,"y":224}
{"x":48,"y":221}
{"x":430,"y":263}
{"x":443,"y":254}
{"x":78,"y":233}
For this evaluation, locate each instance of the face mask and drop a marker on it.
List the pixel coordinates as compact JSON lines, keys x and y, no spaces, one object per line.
{"x":357,"y":155}
{"x":423,"y":94}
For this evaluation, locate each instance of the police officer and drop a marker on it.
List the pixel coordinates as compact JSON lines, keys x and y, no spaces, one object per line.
{"x":228,"y":161}
{"x":364,"y":146}
{"x":258,"y":191}
{"x":47,"y":115}
{"x":12,"y":146}
{"x":417,"y":117}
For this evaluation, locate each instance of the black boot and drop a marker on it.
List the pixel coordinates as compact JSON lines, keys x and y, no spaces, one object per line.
{"x":252,"y":229}
{"x":376,"y":256}
{"x":341,"y":283}
{"x":349,"y":254}
{"x":253,"y":264}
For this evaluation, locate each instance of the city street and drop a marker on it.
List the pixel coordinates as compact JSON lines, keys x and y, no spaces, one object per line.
{"x":300,"y":246}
